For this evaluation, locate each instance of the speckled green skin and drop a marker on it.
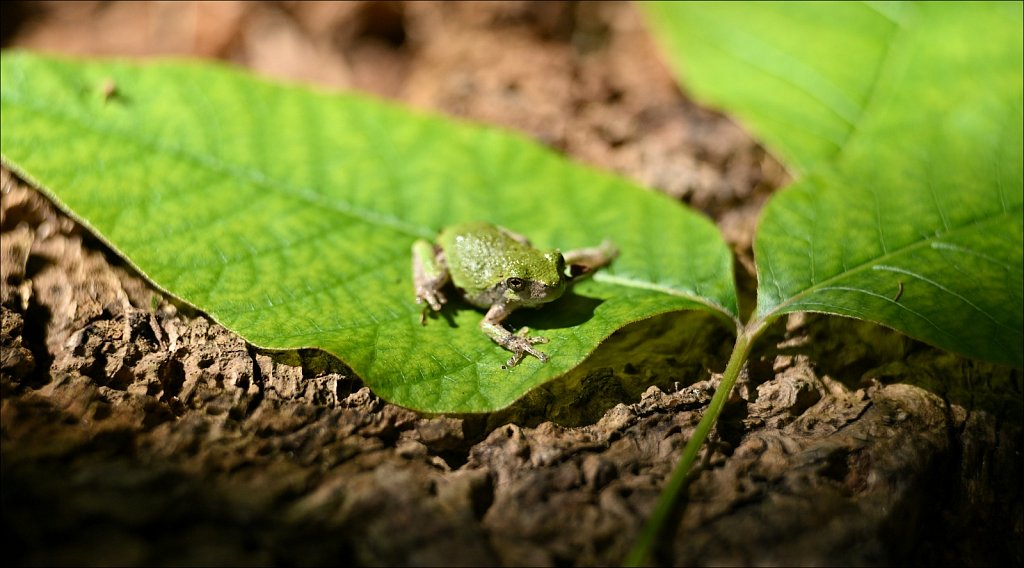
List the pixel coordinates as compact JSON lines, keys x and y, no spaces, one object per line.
{"x":482,"y":257}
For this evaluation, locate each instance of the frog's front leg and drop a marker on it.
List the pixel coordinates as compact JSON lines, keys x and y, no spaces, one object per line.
{"x":518,"y":343}
{"x":584,"y":261}
{"x":429,"y":275}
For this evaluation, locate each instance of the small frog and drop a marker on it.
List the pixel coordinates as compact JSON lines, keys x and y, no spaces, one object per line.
{"x":494,"y":268}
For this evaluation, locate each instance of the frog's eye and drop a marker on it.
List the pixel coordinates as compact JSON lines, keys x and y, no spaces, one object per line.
{"x":515,"y":283}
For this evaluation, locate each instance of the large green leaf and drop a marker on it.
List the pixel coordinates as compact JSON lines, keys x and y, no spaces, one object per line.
{"x":288,"y":215}
{"x":906,"y":123}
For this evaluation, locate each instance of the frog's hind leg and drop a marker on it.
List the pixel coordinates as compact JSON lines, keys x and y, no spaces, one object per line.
{"x":429,"y":275}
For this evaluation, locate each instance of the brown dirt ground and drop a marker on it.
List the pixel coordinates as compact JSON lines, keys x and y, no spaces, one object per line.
{"x":136,"y":431}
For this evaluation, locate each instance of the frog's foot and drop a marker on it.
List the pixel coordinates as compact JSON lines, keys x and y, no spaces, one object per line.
{"x":429,"y":275}
{"x":521,"y":345}
{"x":434,"y":300}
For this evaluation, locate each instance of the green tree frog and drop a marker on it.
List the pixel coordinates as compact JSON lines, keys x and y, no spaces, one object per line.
{"x":498,"y":270}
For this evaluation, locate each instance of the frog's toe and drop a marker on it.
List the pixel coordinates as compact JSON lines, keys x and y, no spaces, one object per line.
{"x":538,"y":354}
{"x":434,"y":298}
{"x":523,"y":333}
{"x":518,"y":356}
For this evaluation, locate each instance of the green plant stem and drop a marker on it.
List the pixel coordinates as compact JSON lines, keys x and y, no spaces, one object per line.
{"x":640,"y":554}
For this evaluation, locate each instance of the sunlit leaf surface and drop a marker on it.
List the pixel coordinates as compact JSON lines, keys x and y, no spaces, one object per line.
{"x":288,"y":214}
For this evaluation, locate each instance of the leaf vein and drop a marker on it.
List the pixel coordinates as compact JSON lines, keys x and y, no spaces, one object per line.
{"x":953,"y":293}
{"x":869,"y":263}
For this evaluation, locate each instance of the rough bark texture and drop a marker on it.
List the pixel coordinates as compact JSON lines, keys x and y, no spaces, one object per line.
{"x":136,"y":431}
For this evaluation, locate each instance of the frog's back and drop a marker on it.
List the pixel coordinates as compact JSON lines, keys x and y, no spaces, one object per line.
{"x":477,"y":254}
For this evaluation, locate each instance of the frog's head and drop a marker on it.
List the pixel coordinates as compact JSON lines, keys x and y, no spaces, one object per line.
{"x":536,"y":281}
